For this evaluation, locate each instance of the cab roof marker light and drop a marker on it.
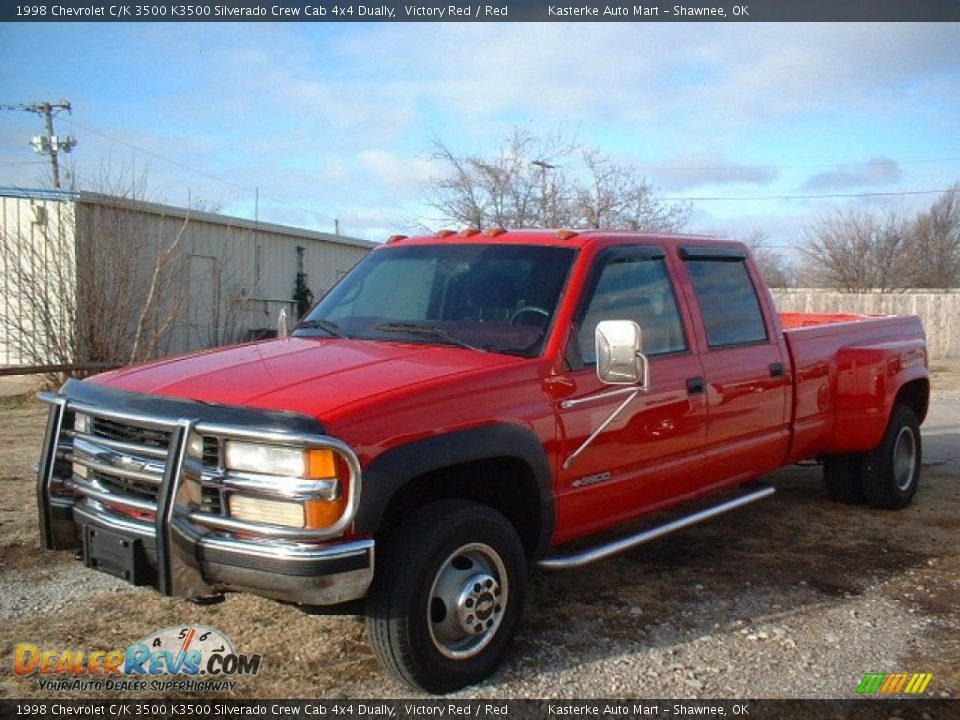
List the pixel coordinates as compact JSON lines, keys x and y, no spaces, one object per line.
{"x":444,"y":233}
{"x":467,"y":232}
{"x":396,"y":238}
{"x":494,"y":231}
{"x":566,"y":234}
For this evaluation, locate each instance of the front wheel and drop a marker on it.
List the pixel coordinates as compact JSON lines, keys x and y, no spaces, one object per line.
{"x":891,"y":473}
{"x":447,"y":596}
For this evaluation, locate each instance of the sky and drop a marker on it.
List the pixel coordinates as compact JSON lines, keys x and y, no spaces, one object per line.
{"x":761,"y":126}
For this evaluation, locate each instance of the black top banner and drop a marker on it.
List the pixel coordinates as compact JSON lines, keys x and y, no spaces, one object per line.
{"x":484,"y":11}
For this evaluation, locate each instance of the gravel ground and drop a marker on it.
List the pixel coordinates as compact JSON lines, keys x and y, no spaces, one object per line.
{"x":793,"y":597}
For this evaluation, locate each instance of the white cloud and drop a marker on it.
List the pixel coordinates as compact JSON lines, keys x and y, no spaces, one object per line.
{"x":699,"y":170}
{"x":878,"y":171}
{"x":396,"y":176}
{"x":706,"y":76}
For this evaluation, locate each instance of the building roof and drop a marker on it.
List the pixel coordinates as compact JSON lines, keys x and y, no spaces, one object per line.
{"x":180,"y":212}
{"x":38,"y":194}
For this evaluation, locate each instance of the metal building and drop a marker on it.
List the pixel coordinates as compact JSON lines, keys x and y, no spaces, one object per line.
{"x":82,"y":260}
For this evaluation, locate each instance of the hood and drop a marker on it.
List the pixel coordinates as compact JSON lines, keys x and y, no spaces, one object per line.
{"x":312,"y":376}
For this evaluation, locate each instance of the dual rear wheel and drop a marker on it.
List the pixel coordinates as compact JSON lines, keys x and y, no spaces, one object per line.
{"x":886,"y":477}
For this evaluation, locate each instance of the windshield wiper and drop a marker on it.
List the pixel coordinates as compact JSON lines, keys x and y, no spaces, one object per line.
{"x":425,"y":331}
{"x":327,"y":326}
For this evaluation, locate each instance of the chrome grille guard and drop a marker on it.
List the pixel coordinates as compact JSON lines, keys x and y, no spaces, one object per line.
{"x":157,"y":474}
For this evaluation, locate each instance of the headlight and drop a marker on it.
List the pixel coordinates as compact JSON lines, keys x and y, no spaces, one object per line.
{"x":276,"y":460}
{"x":287,"y":464}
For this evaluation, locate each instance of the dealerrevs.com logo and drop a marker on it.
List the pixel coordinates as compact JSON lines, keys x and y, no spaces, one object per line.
{"x":191,"y":658}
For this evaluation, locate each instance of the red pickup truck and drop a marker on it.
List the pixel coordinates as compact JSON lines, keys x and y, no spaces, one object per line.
{"x":468,"y":405}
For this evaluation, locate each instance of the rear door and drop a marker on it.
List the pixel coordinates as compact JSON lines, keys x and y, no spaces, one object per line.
{"x":650,"y":453}
{"x":744,"y":366}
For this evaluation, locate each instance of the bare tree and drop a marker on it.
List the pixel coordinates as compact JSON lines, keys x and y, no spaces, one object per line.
{"x":37,"y":270}
{"x":934,"y":244}
{"x":90,"y":282}
{"x":775,"y":268}
{"x":857,"y":251}
{"x":130,"y":281}
{"x":615,"y":196}
{"x":860,"y":251}
{"x":506,"y":190}
{"x":528,"y":182}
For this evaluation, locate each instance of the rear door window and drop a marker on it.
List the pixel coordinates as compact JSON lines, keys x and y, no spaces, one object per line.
{"x":728,"y":301}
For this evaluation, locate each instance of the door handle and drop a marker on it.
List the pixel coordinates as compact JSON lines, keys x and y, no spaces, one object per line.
{"x":776,"y":369}
{"x":696,"y":386}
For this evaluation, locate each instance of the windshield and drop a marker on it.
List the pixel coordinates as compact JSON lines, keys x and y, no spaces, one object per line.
{"x":497,"y":298}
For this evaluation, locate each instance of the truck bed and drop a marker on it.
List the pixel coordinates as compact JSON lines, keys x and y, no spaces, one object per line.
{"x":846,"y":368}
{"x":795,"y":320}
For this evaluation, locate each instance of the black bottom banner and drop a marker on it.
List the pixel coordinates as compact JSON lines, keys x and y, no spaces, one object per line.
{"x":482,"y":709}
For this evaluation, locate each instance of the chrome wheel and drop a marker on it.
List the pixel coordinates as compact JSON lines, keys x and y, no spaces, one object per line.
{"x":904,"y":459}
{"x":447,"y":595}
{"x":890,"y":473}
{"x":467,"y":601}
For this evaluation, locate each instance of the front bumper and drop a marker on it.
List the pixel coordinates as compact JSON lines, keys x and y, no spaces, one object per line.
{"x":184,"y":552}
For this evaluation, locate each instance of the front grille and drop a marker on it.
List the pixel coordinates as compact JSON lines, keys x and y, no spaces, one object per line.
{"x":211,"y":451}
{"x":211,"y":500}
{"x":114,"y":430}
{"x":117,"y":454}
{"x":121,"y":458}
{"x":126,"y":486}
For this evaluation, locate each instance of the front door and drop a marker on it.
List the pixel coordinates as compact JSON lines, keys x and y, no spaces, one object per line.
{"x":649,"y":454}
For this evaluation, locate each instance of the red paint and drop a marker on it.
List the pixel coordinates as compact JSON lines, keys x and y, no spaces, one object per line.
{"x":840,"y":376}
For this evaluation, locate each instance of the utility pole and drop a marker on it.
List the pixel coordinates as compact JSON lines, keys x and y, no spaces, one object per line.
{"x":544,"y":166}
{"x":49,"y":144}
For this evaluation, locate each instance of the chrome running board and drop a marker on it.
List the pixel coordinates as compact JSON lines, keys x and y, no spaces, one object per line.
{"x":600,"y":552}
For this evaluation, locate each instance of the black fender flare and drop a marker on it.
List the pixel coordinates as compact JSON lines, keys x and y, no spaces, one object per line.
{"x":390,"y":471}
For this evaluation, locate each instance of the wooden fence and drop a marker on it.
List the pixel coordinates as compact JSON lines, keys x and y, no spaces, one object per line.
{"x":940,"y":311}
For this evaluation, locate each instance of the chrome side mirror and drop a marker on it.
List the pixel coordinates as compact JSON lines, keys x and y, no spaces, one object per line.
{"x":620,"y":358}
{"x":282,"y":329}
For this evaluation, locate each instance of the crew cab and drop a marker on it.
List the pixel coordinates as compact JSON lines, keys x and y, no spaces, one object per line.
{"x":466,"y":406}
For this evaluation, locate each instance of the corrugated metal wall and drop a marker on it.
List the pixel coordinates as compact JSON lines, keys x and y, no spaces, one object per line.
{"x":37,"y":277}
{"x":234,"y":275}
{"x":238,"y":274}
{"x":940,"y":311}
{"x":240,"y":277}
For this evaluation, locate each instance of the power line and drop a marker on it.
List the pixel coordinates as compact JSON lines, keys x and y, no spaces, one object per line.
{"x":808,"y":197}
{"x":868,"y":163}
{"x":198,"y":171}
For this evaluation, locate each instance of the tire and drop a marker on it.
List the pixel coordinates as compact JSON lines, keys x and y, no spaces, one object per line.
{"x":842,"y":475}
{"x":447,"y":595}
{"x":891,"y":473}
